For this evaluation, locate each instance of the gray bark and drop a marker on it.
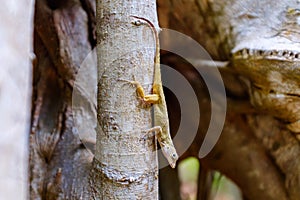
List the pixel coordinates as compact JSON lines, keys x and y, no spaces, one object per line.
{"x":15,"y":92}
{"x":125,"y":164}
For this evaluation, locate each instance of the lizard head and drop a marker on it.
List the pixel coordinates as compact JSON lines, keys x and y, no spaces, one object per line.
{"x":171,"y":155}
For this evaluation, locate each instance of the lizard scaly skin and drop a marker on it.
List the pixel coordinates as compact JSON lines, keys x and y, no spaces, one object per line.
{"x":157,"y":98}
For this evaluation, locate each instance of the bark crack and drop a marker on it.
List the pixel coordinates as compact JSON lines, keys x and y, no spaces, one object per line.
{"x":121,"y":177}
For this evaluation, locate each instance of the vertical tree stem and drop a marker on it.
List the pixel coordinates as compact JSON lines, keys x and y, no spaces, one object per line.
{"x":125,"y":164}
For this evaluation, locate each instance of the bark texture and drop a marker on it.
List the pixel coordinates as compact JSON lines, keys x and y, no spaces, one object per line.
{"x":15,"y":91}
{"x":59,"y":162}
{"x":125,"y":164}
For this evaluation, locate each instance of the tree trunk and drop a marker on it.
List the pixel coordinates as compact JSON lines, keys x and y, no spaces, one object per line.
{"x":59,"y":162}
{"x":125,"y":164}
{"x":15,"y":92}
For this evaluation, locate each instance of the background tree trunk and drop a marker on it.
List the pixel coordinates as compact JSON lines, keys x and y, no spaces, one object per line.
{"x":59,"y":162}
{"x":223,"y":29}
{"x":15,"y":91}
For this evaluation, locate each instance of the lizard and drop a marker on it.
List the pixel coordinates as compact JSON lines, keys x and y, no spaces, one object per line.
{"x":157,"y":98}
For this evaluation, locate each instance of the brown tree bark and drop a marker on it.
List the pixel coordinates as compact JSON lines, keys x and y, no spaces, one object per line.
{"x":59,"y":162}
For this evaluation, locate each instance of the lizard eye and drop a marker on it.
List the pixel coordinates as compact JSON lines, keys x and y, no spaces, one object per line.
{"x":174,"y":155}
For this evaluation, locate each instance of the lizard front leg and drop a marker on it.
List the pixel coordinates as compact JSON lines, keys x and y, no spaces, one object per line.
{"x":146,"y":99}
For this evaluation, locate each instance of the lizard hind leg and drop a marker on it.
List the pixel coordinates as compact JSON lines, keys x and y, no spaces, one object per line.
{"x":154,"y":131}
{"x":167,"y":146}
